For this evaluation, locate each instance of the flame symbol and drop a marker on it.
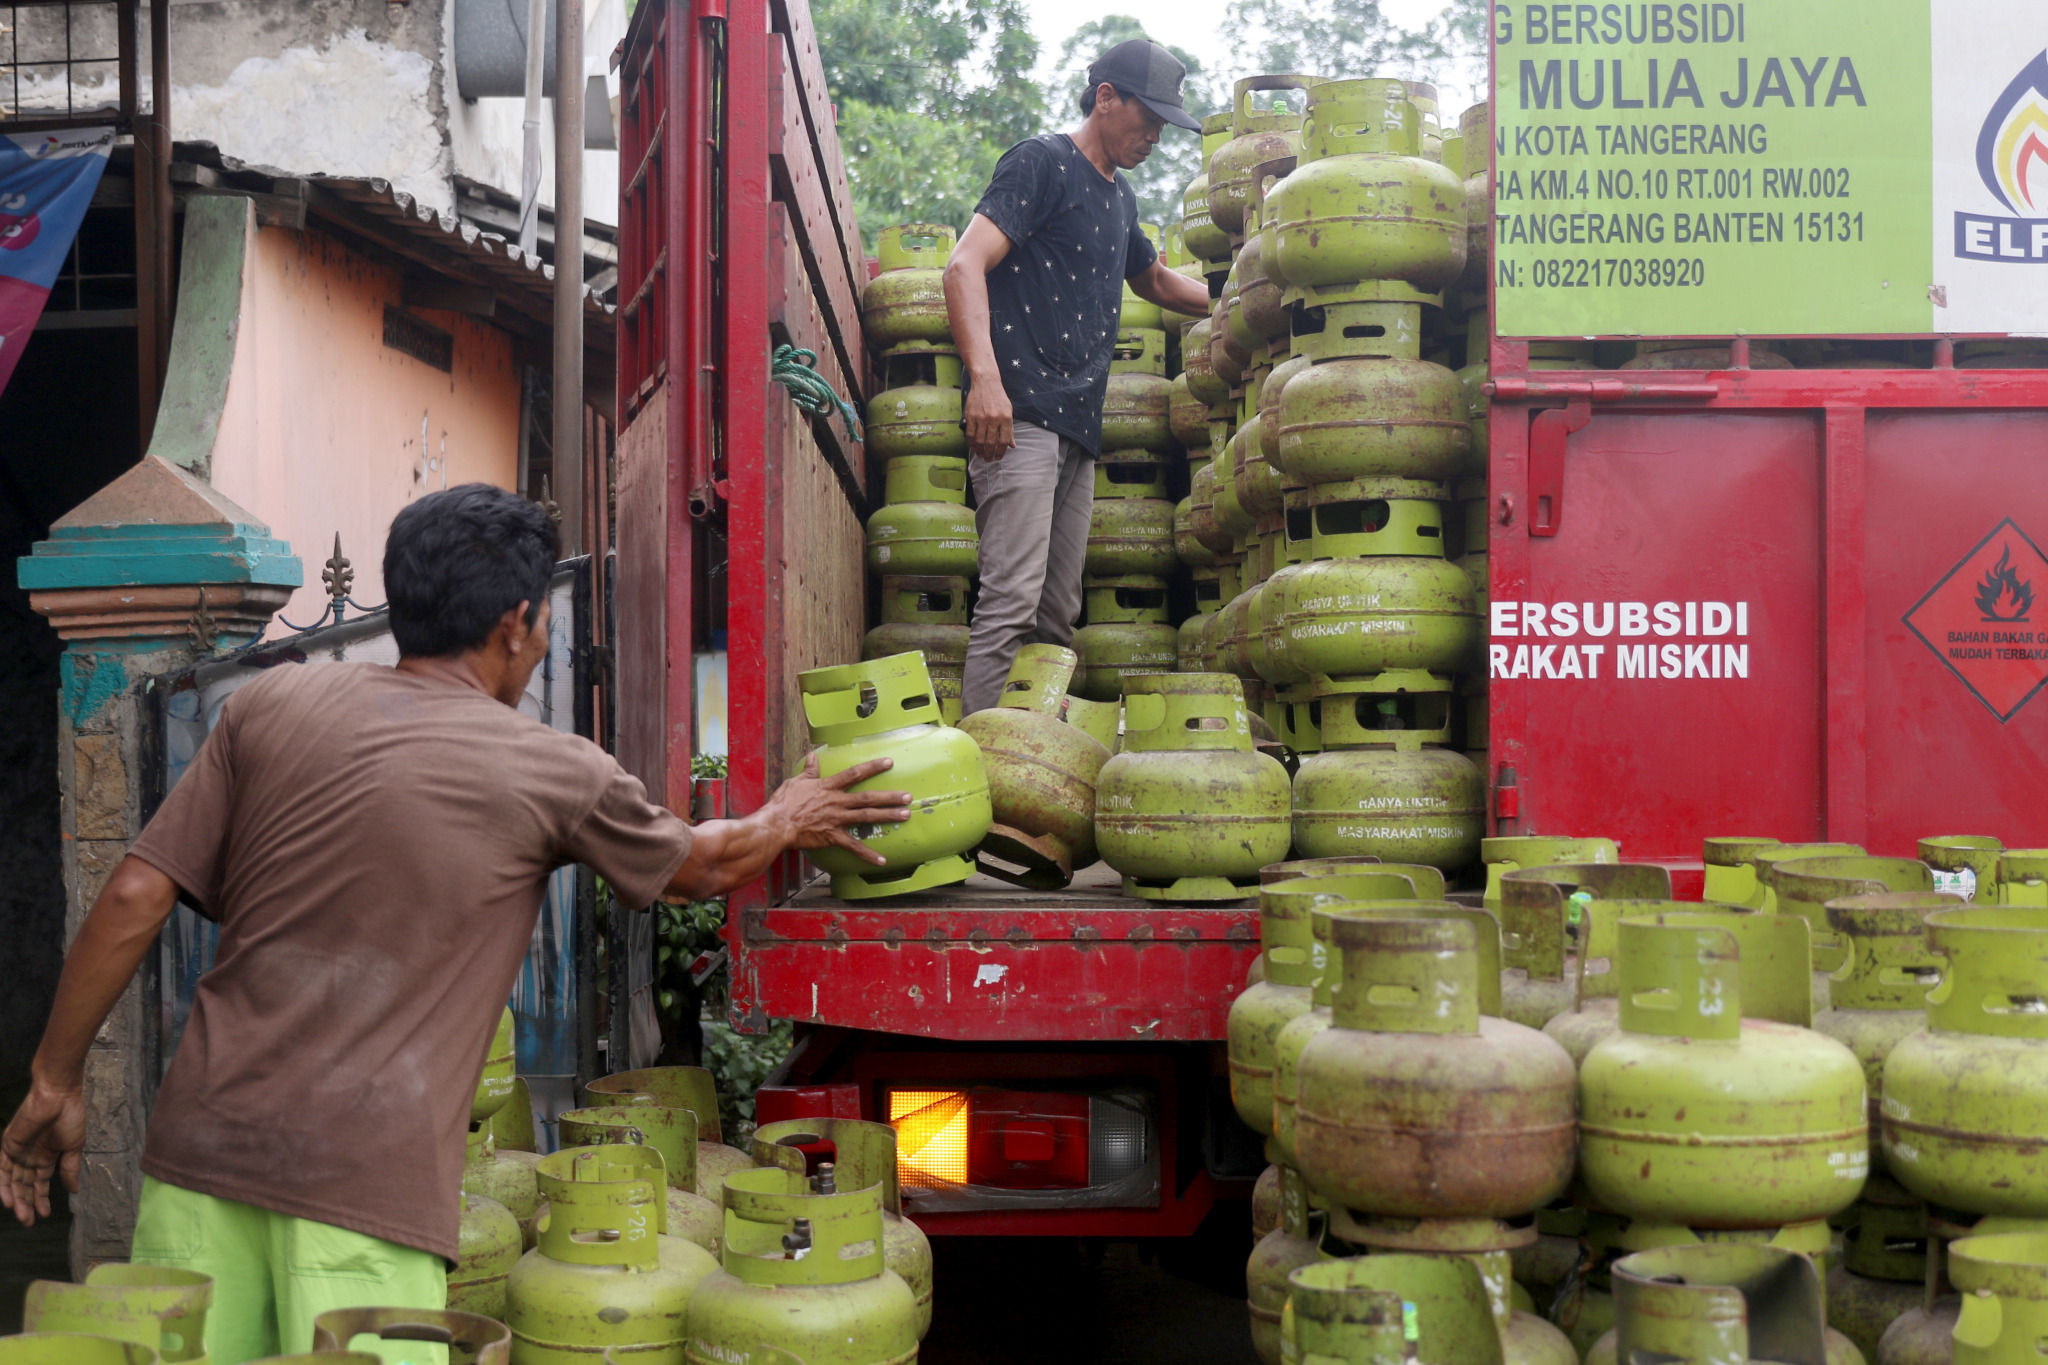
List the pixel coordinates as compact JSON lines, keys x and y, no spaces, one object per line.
{"x":2001,"y":586}
{"x":2014,"y":142}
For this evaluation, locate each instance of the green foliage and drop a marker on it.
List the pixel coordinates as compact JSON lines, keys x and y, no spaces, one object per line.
{"x":742,"y":1062}
{"x":1351,"y":38}
{"x":930,"y":93}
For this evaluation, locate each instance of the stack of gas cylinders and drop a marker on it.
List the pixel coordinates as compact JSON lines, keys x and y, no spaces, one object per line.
{"x":1338,"y":240}
{"x":651,"y":1240}
{"x":1570,"y":1119}
{"x":921,"y":543}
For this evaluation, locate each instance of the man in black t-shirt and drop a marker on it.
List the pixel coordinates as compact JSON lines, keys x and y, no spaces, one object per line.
{"x":1034,"y":289}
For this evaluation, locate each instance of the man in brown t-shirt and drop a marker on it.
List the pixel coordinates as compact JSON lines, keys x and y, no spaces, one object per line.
{"x":373,"y":842}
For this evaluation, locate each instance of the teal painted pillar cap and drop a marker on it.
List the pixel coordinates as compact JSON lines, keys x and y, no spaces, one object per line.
{"x":159,"y":553}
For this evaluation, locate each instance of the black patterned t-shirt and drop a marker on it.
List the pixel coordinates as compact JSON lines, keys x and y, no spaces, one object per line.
{"x":1053,"y":301}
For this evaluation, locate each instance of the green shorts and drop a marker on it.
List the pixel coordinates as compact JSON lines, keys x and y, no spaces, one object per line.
{"x":273,"y":1274}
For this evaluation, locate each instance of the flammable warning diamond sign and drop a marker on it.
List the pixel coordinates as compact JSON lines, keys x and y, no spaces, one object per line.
{"x":1987,"y":619}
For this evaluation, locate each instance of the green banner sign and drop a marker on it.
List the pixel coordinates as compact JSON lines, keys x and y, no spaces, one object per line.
{"x":1770,"y":167}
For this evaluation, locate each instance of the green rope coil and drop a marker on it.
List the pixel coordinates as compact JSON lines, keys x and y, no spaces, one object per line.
{"x":797,"y":370}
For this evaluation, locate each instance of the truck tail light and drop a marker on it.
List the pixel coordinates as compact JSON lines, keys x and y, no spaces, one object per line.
{"x":992,"y":1148}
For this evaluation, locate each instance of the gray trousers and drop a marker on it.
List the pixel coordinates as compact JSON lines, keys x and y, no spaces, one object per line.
{"x":1032,"y":513}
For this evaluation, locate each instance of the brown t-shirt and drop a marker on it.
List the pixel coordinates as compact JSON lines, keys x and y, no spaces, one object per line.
{"x":374,"y":845}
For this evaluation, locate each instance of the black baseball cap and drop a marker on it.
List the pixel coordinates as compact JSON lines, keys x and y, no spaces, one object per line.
{"x":1144,"y":70}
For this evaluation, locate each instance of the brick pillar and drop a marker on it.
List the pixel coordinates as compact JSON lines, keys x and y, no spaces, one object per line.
{"x":152,"y":574}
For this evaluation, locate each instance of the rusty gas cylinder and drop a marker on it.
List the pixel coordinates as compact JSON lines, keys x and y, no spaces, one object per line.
{"x":916,"y":411}
{"x":907,"y":300}
{"x":1292,"y":1244}
{"x":1368,"y":404}
{"x":1259,"y":133}
{"x":1689,"y":1097}
{"x":1804,"y":886}
{"x":1975,"y":1145}
{"x":1880,"y":994}
{"x":1730,"y":868}
{"x":1414,"y":1105}
{"x":1543,"y":929}
{"x":1364,"y":203}
{"x":1475,"y":127}
{"x":1041,"y":773}
{"x":1189,"y":810}
{"x":1126,"y":634}
{"x":677,"y":1087}
{"x":1201,"y":236}
{"x":672,"y":1135}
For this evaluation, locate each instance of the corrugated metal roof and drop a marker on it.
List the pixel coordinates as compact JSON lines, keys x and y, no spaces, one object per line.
{"x":489,"y":257}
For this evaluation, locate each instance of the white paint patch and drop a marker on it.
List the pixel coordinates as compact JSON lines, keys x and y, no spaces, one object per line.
{"x":990,"y":974}
{"x":354,"y":107}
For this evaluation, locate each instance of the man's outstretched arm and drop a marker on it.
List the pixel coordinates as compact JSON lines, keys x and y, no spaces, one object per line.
{"x":47,"y":1134}
{"x":805,"y":812}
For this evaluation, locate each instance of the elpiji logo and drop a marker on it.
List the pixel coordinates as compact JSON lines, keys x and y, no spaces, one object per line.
{"x":2012,"y":160}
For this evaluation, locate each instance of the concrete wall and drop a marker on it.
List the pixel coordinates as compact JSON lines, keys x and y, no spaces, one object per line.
{"x":335,"y":87}
{"x":328,"y":430}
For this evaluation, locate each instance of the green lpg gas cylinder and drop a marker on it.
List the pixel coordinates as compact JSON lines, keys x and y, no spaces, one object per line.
{"x":861,"y":1155}
{"x":924,"y":528}
{"x":1365,"y":205}
{"x":1041,"y":774}
{"x":1128,"y":533}
{"x":78,"y":1348}
{"x":1414,"y":1105}
{"x":1205,"y":386}
{"x":677,"y":1087}
{"x":925,"y":616}
{"x":156,"y":1307}
{"x":1259,"y":133}
{"x":494,"y":1087}
{"x":1879,"y":995}
{"x":1372,"y":1310}
{"x":1137,"y":312}
{"x":1428,"y":108}
{"x":1883,"y":1267}
{"x":1198,"y":232}
{"x":1188,"y":548}
{"x":805,"y":1279}
{"x":917,"y":409}
{"x":471,"y":1338}
{"x":1264,"y":316}
{"x":1420,"y":805}
{"x":1775,"y":950}
{"x":907,"y":300}
{"x":1731,"y":868}
{"x":1189,"y":810}
{"x":1685,"y":1104}
{"x":1543,"y":928}
{"x":1180,"y":261}
{"x":1204,"y":521}
{"x":1352,"y":618}
{"x":1190,"y":654}
{"x":1266,"y":1202}
{"x":1475,"y":127}
{"x":1711,"y":1304}
{"x":1293,"y":1040}
{"x":605,"y":1272}
{"x":488,"y":1244}
{"x":1804,"y":886}
{"x":1924,"y":1335}
{"x":1292,"y":961}
{"x":1367,"y":404}
{"x":1966,"y":1099}
{"x":672,"y":1133}
{"x":2004,"y":1284}
{"x":2023,"y":877}
{"x":886,"y":708}
{"x":1428,"y":882}
{"x":1187,"y":417}
{"x":1126,"y":634}
{"x":1294,"y":1243}
{"x":506,"y":1178}
{"x":1962,"y":863}
{"x":1506,"y":853}
{"x":1137,"y":406}
{"x":1763,"y":857}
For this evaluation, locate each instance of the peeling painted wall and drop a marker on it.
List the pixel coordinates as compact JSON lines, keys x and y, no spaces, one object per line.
{"x":326,"y":429}
{"x":335,"y":87}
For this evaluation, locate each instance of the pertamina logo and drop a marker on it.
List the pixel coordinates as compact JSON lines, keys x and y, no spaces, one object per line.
{"x":1981,"y":620}
{"x":2012,"y":161}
